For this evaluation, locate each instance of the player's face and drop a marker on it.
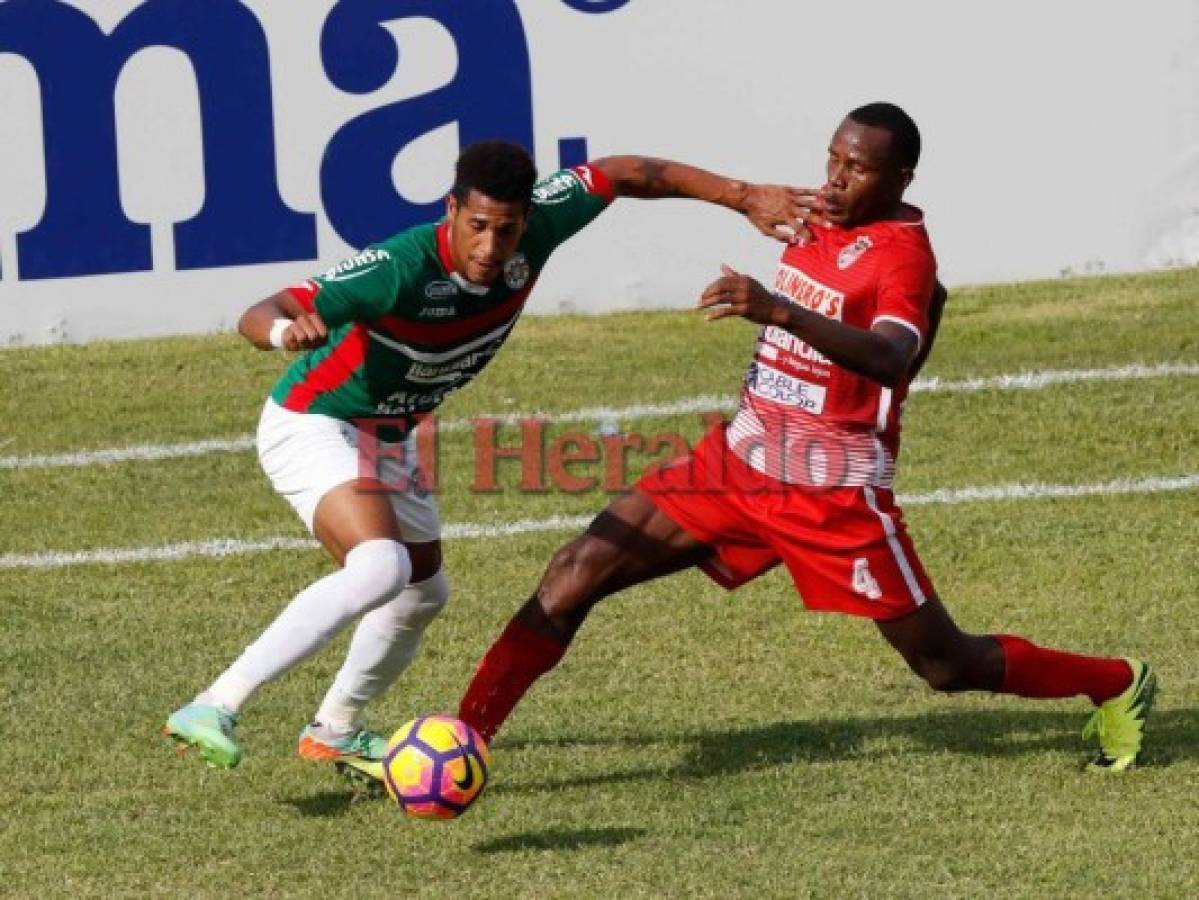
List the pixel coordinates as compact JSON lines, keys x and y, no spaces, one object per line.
{"x":863,"y":185}
{"x":484,"y":234}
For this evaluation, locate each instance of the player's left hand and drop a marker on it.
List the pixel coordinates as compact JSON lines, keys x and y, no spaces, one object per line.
{"x":787,"y":214}
{"x":734,"y":294}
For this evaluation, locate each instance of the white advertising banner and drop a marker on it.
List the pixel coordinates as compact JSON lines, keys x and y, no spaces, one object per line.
{"x":166,"y":163}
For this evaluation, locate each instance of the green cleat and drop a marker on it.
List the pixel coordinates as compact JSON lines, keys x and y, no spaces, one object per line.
{"x":208,"y":728}
{"x":365,"y":776}
{"x":321,"y":744}
{"x":1119,"y":723}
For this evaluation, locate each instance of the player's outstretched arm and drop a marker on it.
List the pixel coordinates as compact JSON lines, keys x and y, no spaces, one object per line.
{"x":280,"y":322}
{"x":883,"y":353}
{"x":778,"y":211}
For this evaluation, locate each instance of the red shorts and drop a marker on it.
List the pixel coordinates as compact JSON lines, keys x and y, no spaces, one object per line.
{"x":847,"y":549}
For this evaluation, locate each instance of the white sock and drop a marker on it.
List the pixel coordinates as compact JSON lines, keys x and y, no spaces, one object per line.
{"x":384,"y":644}
{"x":374,"y":571}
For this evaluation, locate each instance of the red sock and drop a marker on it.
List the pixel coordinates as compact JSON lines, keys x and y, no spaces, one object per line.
{"x":1033,"y":671}
{"x":513,"y":663}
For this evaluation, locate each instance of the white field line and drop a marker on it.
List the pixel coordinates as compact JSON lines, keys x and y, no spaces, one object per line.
{"x":461,"y":531}
{"x":1025,"y":381}
{"x":125,"y":454}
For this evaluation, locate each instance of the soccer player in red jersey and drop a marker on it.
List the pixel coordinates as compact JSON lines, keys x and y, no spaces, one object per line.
{"x":803,"y":473}
{"x":389,"y":333}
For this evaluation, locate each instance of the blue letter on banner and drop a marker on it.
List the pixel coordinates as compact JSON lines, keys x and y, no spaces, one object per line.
{"x":84,"y":230}
{"x":490,"y":97}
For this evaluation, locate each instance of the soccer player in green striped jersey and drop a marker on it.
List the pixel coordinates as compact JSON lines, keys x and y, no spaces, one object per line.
{"x":389,"y":333}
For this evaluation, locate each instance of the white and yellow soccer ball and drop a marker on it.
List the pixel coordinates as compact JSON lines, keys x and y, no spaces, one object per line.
{"x":436,"y":767}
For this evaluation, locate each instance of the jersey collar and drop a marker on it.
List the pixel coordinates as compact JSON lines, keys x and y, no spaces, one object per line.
{"x":909,"y":217}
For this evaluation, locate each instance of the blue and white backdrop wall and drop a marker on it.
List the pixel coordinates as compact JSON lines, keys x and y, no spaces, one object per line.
{"x":165,"y":163}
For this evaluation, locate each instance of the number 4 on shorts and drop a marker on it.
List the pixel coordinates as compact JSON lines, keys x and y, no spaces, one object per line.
{"x":863,"y":582}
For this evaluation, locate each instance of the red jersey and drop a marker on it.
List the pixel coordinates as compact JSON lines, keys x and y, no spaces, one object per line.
{"x":803,"y":419}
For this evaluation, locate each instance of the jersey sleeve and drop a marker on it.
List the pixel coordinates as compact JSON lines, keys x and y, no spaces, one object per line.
{"x":567,"y":201}
{"x":359,"y":289}
{"x":905,"y":291}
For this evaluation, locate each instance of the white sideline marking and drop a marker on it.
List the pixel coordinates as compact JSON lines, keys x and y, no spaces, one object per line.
{"x":185,"y":550}
{"x":461,"y":531}
{"x":1031,"y":381}
{"x":1038,"y":491}
{"x":125,"y":454}
{"x":1024,"y":381}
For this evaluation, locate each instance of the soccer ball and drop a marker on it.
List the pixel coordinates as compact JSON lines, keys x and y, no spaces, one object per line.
{"x":435,"y":767}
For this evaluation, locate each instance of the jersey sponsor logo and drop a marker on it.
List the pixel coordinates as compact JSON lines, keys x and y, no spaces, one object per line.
{"x":441,"y":290}
{"x":778,"y":387}
{"x":400,"y":403}
{"x":436,"y":312}
{"x":773,"y":337}
{"x":357,"y":266}
{"x":556,"y":188}
{"x":463,"y":365}
{"x":517,"y":271}
{"x":851,"y":253}
{"x":805,"y":290}
{"x":349,"y":276}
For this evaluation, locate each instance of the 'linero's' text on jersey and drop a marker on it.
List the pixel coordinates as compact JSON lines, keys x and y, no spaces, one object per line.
{"x":406,"y":329}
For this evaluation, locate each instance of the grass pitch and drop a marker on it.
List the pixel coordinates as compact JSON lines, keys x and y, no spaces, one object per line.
{"x":693,"y":743}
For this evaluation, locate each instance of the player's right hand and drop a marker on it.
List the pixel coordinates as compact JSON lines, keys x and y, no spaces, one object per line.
{"x":785,"y":213}
{"x":306,"y":332}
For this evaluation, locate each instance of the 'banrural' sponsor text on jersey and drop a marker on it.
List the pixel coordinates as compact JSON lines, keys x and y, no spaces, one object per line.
{"x":406,"y":329}
{"x":801,"y":418}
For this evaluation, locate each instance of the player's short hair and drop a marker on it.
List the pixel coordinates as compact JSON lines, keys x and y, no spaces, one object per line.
{"x":905,"y":136}
{"x":500,"y":170}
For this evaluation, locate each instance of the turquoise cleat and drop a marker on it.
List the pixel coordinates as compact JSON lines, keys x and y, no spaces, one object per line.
{"x":357,"y":755}
{"x":208,"y":728}
{"x":321,"y":744}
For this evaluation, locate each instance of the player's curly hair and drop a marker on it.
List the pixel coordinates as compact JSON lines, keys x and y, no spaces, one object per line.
{"x":500,"y":170}
{"x":905,"y":136}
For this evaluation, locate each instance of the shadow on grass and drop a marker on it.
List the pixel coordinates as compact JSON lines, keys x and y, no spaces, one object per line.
{"x":561,"y":839}
{"x":1173,"y":735}
{"x":323,"y":805}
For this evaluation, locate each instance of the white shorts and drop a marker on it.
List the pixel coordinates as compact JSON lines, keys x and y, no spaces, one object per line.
{"x":307,"y":455}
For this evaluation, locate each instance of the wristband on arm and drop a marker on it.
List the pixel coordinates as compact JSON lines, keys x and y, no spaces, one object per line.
{"x":276,"y":336}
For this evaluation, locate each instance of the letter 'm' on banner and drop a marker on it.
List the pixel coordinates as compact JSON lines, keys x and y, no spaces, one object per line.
{"x":84,"y":230}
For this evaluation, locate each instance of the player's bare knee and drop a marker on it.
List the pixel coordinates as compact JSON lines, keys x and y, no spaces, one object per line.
{"x":570,"y":579}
